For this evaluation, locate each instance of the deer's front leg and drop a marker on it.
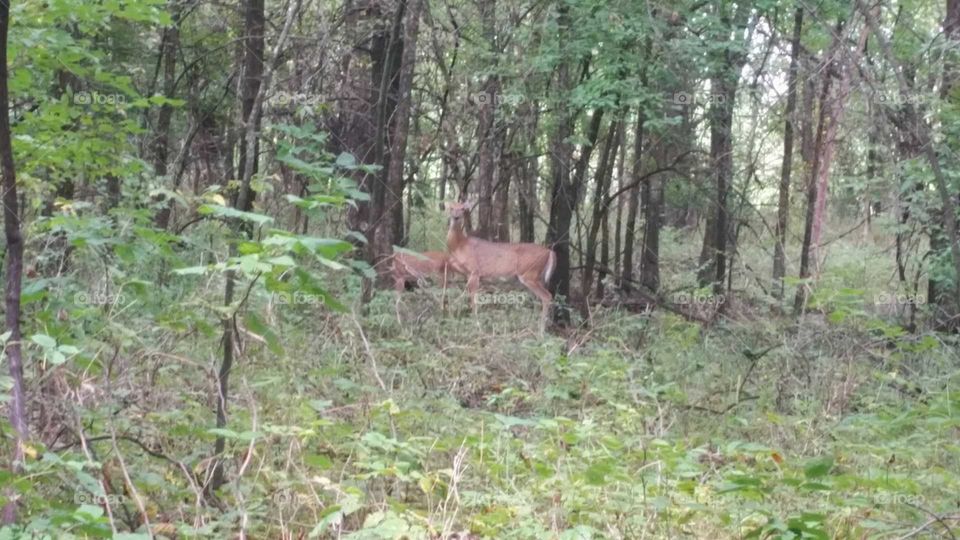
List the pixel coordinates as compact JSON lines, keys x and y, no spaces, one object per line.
{"x":473,"y":284}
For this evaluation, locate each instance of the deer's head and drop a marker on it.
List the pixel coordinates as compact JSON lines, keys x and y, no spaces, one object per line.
{"x":459,"y":213}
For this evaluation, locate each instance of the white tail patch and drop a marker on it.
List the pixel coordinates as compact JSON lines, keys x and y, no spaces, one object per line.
{"x":551,"y":264}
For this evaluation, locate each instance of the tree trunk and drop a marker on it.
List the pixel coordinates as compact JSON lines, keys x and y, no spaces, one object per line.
{"x":527,"y":199}
{"x":938,"y":289}
{"x":783,"y":202}
{"x":253,"y":30}
{"x":243,"y":200}
{"x":803,"y":289}
{"x":723,"y":84}
{"x":832,"y":108}
{"x":501,"y":207}
{"x":599,"y":210}
{"x":161,"y":147}
{"x":633,"y":203}
{"x":14,"y":274}
{"x":618,"y":223}
{"x":562,"y":196}
{"x":387,"y":56}
{"x":652,"y":208}
{"x":393,"y":233}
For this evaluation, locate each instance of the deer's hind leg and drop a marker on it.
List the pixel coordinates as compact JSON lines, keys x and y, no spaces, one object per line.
{"x":541,"y":292}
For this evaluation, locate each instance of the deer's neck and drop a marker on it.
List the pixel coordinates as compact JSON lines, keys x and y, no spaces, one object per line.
{"x":455,"y":237}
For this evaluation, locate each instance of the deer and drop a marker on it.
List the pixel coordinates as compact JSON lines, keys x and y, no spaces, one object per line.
{"x":415,"y":267}
{"x":531,"y":264}
{"x":406,"y":267}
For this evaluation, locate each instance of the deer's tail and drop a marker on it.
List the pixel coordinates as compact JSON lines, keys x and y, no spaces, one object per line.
{"x":551,"y":265}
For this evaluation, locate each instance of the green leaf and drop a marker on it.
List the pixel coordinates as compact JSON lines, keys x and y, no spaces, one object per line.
{"x":191,"y":270}
{"x":233,"y":213}
{"x":282,"y":260}
{"x":818,"y":467}
{"x":346,"y":160}
{"x":44,"y":341}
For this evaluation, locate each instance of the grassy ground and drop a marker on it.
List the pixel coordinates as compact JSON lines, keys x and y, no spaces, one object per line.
{"x":840,"y":425}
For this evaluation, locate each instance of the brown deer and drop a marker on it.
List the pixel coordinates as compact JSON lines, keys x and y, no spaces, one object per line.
{"x":407,"y":267}
{"x":475,"y":258}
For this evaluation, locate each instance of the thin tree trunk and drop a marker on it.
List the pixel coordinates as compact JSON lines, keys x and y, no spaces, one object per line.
{"x":501,"y":208}
{"x":599,"y":210}
{"x":253,"y":46}
{"x":803,"y":289}
{"x":562,"y":197}
{"x":161,"y":147}
{"x":244,"y":196}
{"x":387,"y":64}
{"x":783,"y":203}
{"x":528,"y":204}
{"x":618,"y":226}
{"x":651,"y":206}
{"x":401,"y":129}
{"x":14,"y":274}
{"x":633,"y":203}
{"x":832,"y":109}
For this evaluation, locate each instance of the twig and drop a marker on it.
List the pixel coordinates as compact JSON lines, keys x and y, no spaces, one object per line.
{"x":132,"y":488}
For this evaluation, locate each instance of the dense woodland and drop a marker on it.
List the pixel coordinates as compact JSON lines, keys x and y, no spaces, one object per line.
{"x":274,"y":269}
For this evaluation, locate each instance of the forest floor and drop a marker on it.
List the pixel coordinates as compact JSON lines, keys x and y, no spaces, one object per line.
{"x":839,"y":425}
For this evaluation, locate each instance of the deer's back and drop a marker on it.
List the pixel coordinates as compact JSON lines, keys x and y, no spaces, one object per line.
{"x":433,"y":263}
{"x":500,"y":259}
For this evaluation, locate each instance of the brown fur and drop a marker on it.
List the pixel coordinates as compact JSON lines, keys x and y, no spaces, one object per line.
{"x":412,"y":268}
{"x":532,"y":264}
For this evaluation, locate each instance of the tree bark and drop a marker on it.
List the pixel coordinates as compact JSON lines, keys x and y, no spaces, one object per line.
{"x":387,"y":57}
{"x":723,"y":83}
{"x":161,"y":146}
{"x":14,"y":274}
{"x":562,"y":196}
{"x":501,"y":198}
{"x":253,"y":46}
{"x":599,"y":210}
{"x":618,"y":222}
{"x":486,"y":129}
{"x":783,"y":201}
{"x":803,"y":289}
{"x":652,"y":208}
{"x":633,"y":203}
{"x":832,"y":109}
{"x":393,"y":234}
